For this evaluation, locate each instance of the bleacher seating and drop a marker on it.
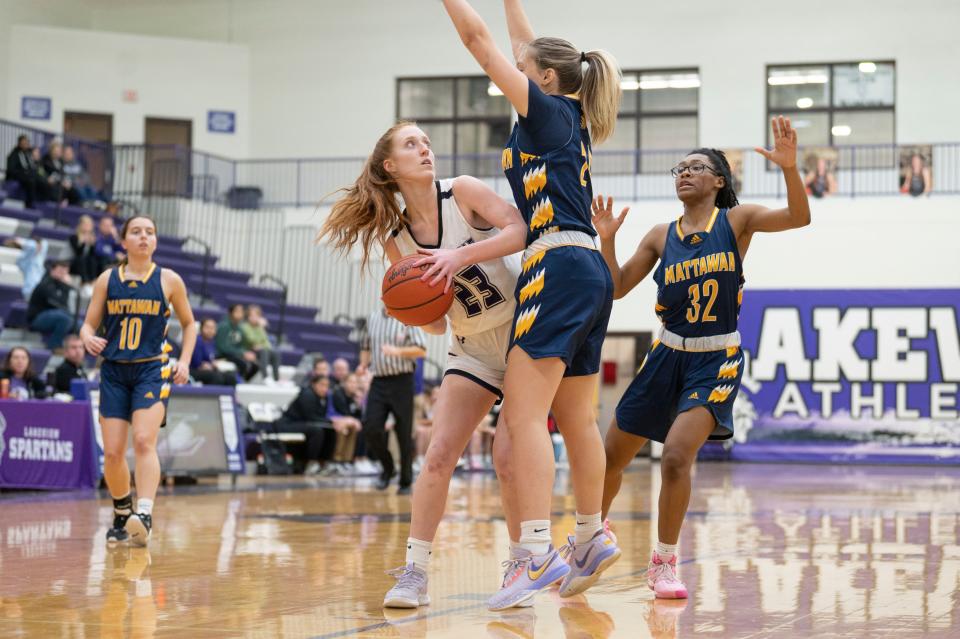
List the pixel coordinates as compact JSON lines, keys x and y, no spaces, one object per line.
{"x":303,"y":334}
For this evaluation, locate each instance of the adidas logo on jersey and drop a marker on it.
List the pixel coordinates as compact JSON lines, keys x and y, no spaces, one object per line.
{"x":695,"y":239}
{"x":132,"y":284}
{"x":694,"y":395}
{"x":149,"y":395}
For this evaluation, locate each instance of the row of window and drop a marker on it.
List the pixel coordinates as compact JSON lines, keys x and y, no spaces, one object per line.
{"x":830,"y":105}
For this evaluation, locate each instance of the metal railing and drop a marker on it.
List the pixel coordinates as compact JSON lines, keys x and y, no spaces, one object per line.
{"x":128,"y":171}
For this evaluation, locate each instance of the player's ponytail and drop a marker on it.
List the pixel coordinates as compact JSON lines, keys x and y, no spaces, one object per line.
{"x":726,"y":196}
{"x":598,"y":85}
{"x":368,"y":211}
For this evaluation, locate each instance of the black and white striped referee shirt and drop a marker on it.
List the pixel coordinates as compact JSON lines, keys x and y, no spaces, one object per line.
{"x":383,"y":329}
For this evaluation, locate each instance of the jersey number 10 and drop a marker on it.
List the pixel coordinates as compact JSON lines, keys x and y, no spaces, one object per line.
{"x":130,"y":330}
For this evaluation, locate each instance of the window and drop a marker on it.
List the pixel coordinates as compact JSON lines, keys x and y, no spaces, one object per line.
{"x":467,"y":119}
{"x":658,"y":116}
{"x":840,"y":105}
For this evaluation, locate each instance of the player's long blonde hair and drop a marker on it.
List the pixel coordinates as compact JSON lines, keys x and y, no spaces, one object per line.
{"x":598,"y":85}
{"x":368,"y":211}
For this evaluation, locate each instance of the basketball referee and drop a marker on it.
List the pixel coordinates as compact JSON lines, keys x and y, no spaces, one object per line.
{"x":390,"y":349}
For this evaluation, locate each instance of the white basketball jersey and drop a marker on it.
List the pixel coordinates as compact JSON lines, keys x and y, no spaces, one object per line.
{"x":483,"y":293}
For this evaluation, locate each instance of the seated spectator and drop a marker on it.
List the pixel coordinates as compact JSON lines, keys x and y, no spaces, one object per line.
{"x":22,"y":169}
{"x":917,"y":179}
{"x":348,"y":403}
{"x":107,"y":246}
{"x":74,"y":171}
{"x":31,"y":262}
{"x":72,"y":366}
{"x":49,"y":310}
{"x":340,"y":371}
{"x":321,"y":367}
{"x":255,"y":338}
{"x":230,"y":344}
{"x":18,"y":369}
{"x":311,"y":413}
{"x":203,"y":366}
{"x":424,"y":405}
{"x":86,"y":264}
{"x":60,"y":185}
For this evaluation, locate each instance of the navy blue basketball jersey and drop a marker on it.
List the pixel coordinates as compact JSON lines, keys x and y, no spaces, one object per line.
{"x":553,"y":190}
{"x":136,"y":317}
{"x":700,"y":280}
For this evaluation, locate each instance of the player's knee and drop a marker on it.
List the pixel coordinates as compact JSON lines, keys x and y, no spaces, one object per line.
{"x":440,"y":458}
{"x":143,"y":443}
{"x":674,"y":464}
{"x":114,"y":456}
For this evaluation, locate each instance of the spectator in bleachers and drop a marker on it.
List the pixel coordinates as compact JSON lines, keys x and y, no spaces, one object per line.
{"x":203,"y":367}
{"x":108,"y":247}
{"x":61,"y":187}
{"x":424,"y":405}
{"x":256,"y":339}
{"x":23,"y":382}
{"x":31,"y":261}
{"x":311,"y":413}
{"x":320,"y":367}
{"x":49,"y":310}
{"x":78,"y":177}
{"x":22,"y":169}
{"x":230,"y":344}
{"x":347,"y":402}
{"x":820,"y":179}
{"x":86,"y":264}
{"x":72,"y":366}
{"x":339,"y":372}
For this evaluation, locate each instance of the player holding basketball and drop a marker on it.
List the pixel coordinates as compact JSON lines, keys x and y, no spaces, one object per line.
{"x":452,"y":213}
{"x":683,"y":394}
{"x":135,"y":377}
{"x":564,"y":98}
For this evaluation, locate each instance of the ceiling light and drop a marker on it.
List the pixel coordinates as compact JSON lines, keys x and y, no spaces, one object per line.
{"x":493,"y":90}
{"x":841,"y":130}
{"x":629,"y":85}
{"x":812,"y":78}
{"x":868,"y":67}
{"x":804,"y":103}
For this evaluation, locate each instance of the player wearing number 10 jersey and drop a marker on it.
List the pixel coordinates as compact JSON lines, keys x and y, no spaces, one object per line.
{"x":132,"y":301}
{"x":440,"y":216}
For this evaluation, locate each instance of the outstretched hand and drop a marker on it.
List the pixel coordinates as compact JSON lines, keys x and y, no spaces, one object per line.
{"x":784,"y":153}
{"x":603,"y":220}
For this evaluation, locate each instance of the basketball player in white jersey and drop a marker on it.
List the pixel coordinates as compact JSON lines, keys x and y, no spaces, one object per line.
{"x":445,"y":214}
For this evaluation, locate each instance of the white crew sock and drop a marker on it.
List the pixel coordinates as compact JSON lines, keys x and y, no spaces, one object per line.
{"x":666,"y":551}
{"x":418,"y":553}
{"x":587,"y":526}
{"x":535,"y":536}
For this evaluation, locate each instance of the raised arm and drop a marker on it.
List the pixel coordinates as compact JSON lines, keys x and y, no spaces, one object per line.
{"x":476,"y":37}
{"x":98,"y":301}
{"x":625,"y":277}
{"x":486,"y":208}
{"x":521,"y":33}
{"x":747,"y":219}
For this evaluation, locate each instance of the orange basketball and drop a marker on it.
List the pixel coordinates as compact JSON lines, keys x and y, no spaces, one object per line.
{"x":411,"y":300}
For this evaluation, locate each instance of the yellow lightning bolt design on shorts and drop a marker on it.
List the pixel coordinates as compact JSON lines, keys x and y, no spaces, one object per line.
{"x":533,"y":287}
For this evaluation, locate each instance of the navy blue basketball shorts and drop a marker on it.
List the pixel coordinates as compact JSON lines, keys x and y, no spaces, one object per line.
{"x":564,"y":297}
{"x":125,"y":388}
{"x":670,"y":382}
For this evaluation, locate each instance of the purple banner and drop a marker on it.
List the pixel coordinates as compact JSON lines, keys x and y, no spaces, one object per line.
{"x":849,"y":376}
{"x":46,"y":445}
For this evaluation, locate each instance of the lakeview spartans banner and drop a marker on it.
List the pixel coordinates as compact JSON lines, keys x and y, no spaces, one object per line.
{"x":848,"y":375}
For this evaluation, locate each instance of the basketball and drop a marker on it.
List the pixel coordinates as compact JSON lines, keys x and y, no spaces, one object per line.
{"x":410,"y":300}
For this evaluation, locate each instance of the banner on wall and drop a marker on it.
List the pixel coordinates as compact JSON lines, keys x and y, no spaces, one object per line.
{"x":848,"y":375}
{"x":35,"y":108}
{"x":221,"y":121}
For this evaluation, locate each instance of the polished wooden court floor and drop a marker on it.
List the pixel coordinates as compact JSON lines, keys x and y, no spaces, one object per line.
{"x":767,"y":551}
